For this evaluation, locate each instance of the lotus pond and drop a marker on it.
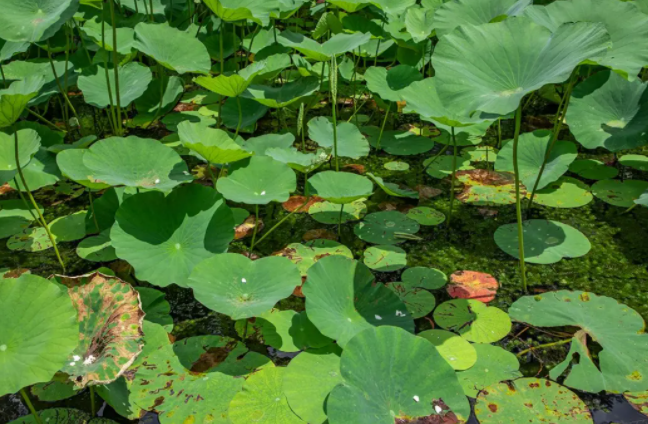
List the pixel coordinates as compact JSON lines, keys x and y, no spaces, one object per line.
{"x":340,"y":211}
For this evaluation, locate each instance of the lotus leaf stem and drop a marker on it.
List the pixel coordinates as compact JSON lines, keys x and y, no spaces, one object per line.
{"x":92,"y":211}
{"x":340,"y":222}
{"x":30,"y":406}
{"x":116,"y":64}
{"x":22,"y":197}
{"x":454,"y":176}
{"x":442,"y":151}
{"x":45,"y":120}
{"x":240,"y":120}
{"x":333,"y":79}
{"x":60,"y":87}
{"x":221,"y":34}
{"x":544,"y":346}
{"x":382,"y":128}
{"x":105,"y":57}
{"x":256,"y":227}
{"x":4,"y":80}
{"x":274,"y":227}
{"x":518,"y":201}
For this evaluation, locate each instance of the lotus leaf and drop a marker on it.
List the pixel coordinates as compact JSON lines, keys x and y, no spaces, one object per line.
{"x":473,"y":320}
{"x":34,"y":20}
{"x":426,"y":216}
{"x":54,"y":390}
{"x":211,"y":145}
{"x":442,"y":166}
{"x":40,"y":172}
{"x":287,"y":94}
{"x":14,"y":217}
{"x":567,"y":192}
{"x":338,"y":44}
{"x":638,"y":162}
{"x":70,"y":227}
{"x":389,"y":227}
{"x":351,"y":142}
{"x":483,"y":187}
{"x":28,"y":145}
{"x":125,"y":36}
{"x":425,"y":278}
{"x":70,"y":162}
{"x":398,"y":143}
{"x":481,"y":154}
{"x":30,"y":240}
{"x":471,"y":12}
{"x":393,"y":189}
{"x":259,"y":145}
{"x":307,"y":254}
{"x":593,"y":169}
{"x":148,"y":104}
{"x":289,"y":331}
{"x":14,"y":100}
{"x":419,"y":23}
{"x":385,"y":258}
{"x":134,"y":78}
{"x":619,"y":193}
{"x":457,"y":351}
{"x":332,"y":213}
{"x":643,"y":199}
{"x":253,"y":112}
{"x":494,"y":364}
{"x":389,"y":83}
{"x":397,"y":166}
{"x":340,"y":187}
{"x":258,"y":181}
{"x":97,"y":249}
{"x":301,"y":162}
{"x":156,"y":307}
{"x":473,"y":285}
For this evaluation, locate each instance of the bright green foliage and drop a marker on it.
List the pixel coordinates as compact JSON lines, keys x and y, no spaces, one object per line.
{"x":426,"y":278}
{"x":638,"y":162}
{"x":282,"y":96}
{"x":156,"y":307}
{"x":593,"y":169}
{"x":148,"y":105}
{"x":289,"y":331}
{"x":229,"y":86}
{"x":209,"y":144}
{"x":475,"y":12}
{"x":70,"y":162}
{"x":426,"y":216}
{"x":389,"y":227}
{"x":333,"y":213}
{"x":125,"y":36}
{"x":33,"y":239}
{"x":28,"y":144}
{"x":419,"y":23}
{"x":494,"y":364}
{"x":70,"y":227}
{"x":14,"y":217}
{"x":258,"y":181}
{"x":473,"y":320}
{"x":388,"y":84}
{"x":351,"y":142}
{"x":619,"y":193}
{"x":335,"y":46}
{"x":397,"y":166}
{"x":259,"y":145}
{"x":54,"y":390}
{"x":301,"y":162}
{"x":41,"y":171}
{"x":566,"y":192}
{"x":14,"y":100}
{"x":34,"y":20}
{"x":398,"y":143}
{"x":340,"y":187}
{"x":307,"y":254}
{"x":97,"y":249}
{"x":393,"y":189}
{"x":418,"y":301}
{"x":134,"y":78}
{"x":456,"y":350}
{"x":385,"y":258}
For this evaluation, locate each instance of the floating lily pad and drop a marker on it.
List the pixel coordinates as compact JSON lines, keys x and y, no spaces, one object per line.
{"x":473,"y":285}
{"x":30,"y":240}
{"x":426,"y":216}
{"x":593,"y":169}
{"x":417,"y":300}
{"x":44,"y":322}
{"x":307,"y":254}
{"x":638,"y":162}
{"x":473,"y":320}
{"x":351,"y":142}
{"x":342,"y":300}
{"x":456,"y":350}
{"x":14,"y":217}
{"x":340,"y":187}
{"x":385,"y":258}
{"x":329,"y":213}
{"x":494,"y":364}
{"x":397,"y":166}
{"x":426,"y":278}
{"x":484,"y":187}
{"x":69,"y":228}
{"x":481,"y":154}
{"x":545,"y":242}
{"x":619,"y":193}
{"x":398,"y":143}
{"x":442,"y":166}
{"x":393,"y":189}
{"x":289,"y":331}
{"x":567,"y":192}
{"x":388,"y":227}
{"x":258,"y":181}
{"x":97,"y":248}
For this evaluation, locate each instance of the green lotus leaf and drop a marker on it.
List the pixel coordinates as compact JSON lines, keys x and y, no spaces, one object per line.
{"x":457,"y":351}
{"x":30,"y":240}
{"x":308,"y":380}
{"x":300,"y":162}
{"x":388,"y":84}
{"x":471,"y":135}
{"x":105,"y":209}
{"x":567,"y":192}
{"x":28,"y":144}
{"x":418,"y":301}
{"x":332,"y":213}
{"x":628,"y":29}
{"x":419,"y":23}
{"x":14,"y":217}
{"x":10,"y":48}
{"x":260,"y":12}
{"x":156,"y":307}
{"x":342,"y":300}
{"x":338,"y":44}
{"x":34,"y":21}
{"x":136,"y":162}
{"x":134,"y":78}
{"x":426,"y":216}
{"x":494,"y":364}
{"x":38,"y":331}
{"x":619,"y":330}
{"x":481,"y":154}
{"x":211,"y":145}
{"x":231,"y":43}
{"x":530,"y":400}
{"x":388,"y":227}
{"x":41,"y":171}
{"x":425,"y":278}
{"x":418,"y":384}
{"x":234,"y":285}
{"x":282,"y":96}
{"x":70,"y":162}
{"x":531,"y":156}
{"x":36,"y":79}
{"x":491,"y":67}
{"x":70,"y":227}
{"x":289,"y":331}
{"x":307,"y":254}
{"x":385,"y":258}
{"x":125,"y":36}
{"x":172,"y":48}
{"x":229,"y":86}
{"x":483,"y":187}
{"x":258,"y":181}
{"x":393,"y":189}
{"x":442,"y":166}
{"x":608,"y":111}
{"x":54,"y":390}
{"x":194,"y":379}
{"x":545,"y":241}
{"x":619,"y":193}
{"x":398,"y":143}
{"x":148,"y":104}
{"x":638,"y":162}
{"x":643,"y":199}
{"x":340,"y":187}
{"x":470,"y":12}
{"x":14,"y":100}
{"x":253,"y":111}
{"x":97,"y":249}
{"x":473,"y":320}
{"x":60,"y":416}
{"x":259,"y":145}
{"x":593,"y":169}
{"x":351,"y":142}
{"x":397,"y":166}
{"x":638,"y":401}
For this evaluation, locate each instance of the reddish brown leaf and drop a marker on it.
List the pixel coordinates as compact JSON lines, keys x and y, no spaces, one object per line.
{"x":247,"y":227}
{"x":426,"y":192}
{"x":15,"y":273}
{"x":320,"y":233}
{"x":355,"y":168}
{"x":295,"y":202}
{"x":473,"y":285}
{"x":5,"y":188}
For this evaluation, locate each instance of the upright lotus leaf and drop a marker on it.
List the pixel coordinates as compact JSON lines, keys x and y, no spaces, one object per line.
{"x":308,"y":380}
{"x":484,"y":187}
{"x":9,"y":49}
{"x":165,"y":237}
{"x":545,"y":241}
{"x":388,"y":84}
{"x":259,"y":145}
{"x":457,"y":351}
{"x":593,"y":169}
{"x":225,"y":85}
{"x":452,"y":14}
{"x":134,"y":78}
{"x":307,"y":254}
{"x":530,"y":400}
{"x":194,"y":379}
{"x":619,"y":330}
{"x":14,"y":100}
{"x":34,"y":20}
{"x":419,"y":23}
{"x":14,"y":217}
{"x":393,"y":189}
{"x":351,"y":142}
{"x":38,"y":331}
{"x":628,"y":29}
{"x":567,"y":192}
{"x":388,"y":227}
{"x":258,"y":181}
{"x":125,"y":36}
{"x":70,"y":162}
{"x":40,"y":172}
{"x":110,"y":328}
{"x":300,"y":162}
{"x":255,"y":10}
{"x":338,"y":44}
{"x":148,"y":105}
{"x":136,"y":162}
{"x":608,"y":111}
{"x":28,"y":144}
{"x":410,"y":382}
{"x":531,"y":155}
{"x":289,"y":331}
{"x":282,"y":96}
{"x":174,"y":49}
{"x":340,"y":187}
{"x":234,"y":285}
{"x":473,"y":320}
{"x":212,"y":145}
{"x":156,"y":307}
{"x":398,"y":143}
{"x":491,"y":67}
{"x":494,"y":364}
{"x":342,"y":299}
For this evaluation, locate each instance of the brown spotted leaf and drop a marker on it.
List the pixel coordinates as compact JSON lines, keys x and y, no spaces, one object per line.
{"x":298,"y":204}
{"x":484,"y":187}
{"x":247,"y":227}
{"x":473,"y":285}
{"x":319,"y":233}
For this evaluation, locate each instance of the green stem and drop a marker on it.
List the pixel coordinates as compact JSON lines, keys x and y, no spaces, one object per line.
{"x":378,"y":45}
{"x":499,"y":133}
{"x":4,"y":80}
{"x":221,"y":34}
{"x":240,"y":120}
{"x":108,"y":85}
{"x":333,"y":80}
{"x":442,"y":151}
{"x":543,"y":346}
{"x":454,"y":175}
{"x":382,"y":128}
{"x":340,"y":222}
{"x":116,"y":65}
{"x":92,"y":211}
{"x":279,"y":223}
{"x":58,"y":83}
{"x":45,"y":120}
{"x":211,"y":175}
{"x":518,"y":201}
{"x":30,"y":406}
{"x":256,"y":227}
{"x":22,"y":197}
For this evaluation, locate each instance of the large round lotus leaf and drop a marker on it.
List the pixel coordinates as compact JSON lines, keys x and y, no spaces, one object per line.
{"x":10,"y":48}
{"x":425,"y":278}
{"x":531,"y":155}
{"x":638,"y":162}
{"x":289,"y":331}
{"x":492,"y":67}
{"x":340,"y":187}
{"x":177,"y":50}
{"x":136,"y":162}
{"x":307,"y":254}
{"x":351,"y":142}
{"x":426,"y":216}
{"x":393,"y":189}
{"x":282,"y":96}
{"x":209,"y":144}
{"x":456,"y":350}
{"x":608,"y":111}
{"x":133,"y":80}
{"x":194,"y":379}
{"x":97,"y":249}
{"x":224,"y":85}
{"x":622,"y":364}
{"x":259,"y":145}
{"x":308,"y":380}
{"x":262,"y":400}
{"x":638,"y":400}
{"x":419,"y":23}
{"x":442,"y":166}
{"x":258,"y":181}
{"x":593,"y":169}
{"x":105,"y":209}
{"x":398,"y":143}
{"x":156,"y":307}
{"x":164,"y":237}
{"x":38,"y":331}
{"x":30,"y":239}
{"x":110,"y":328}
{"x":301,"y":162}
{"x":14,"y":217}
{"x":54,"y":390}
{"x":619,"y":193}
{"x":494,"y":364}
{"x":342,"y":299}
{"x":148,"y":105}
{"x":530,"y":400}
{"x":70,"y":227}
{"x":329,"y":213}
{"x":41,"y":171}
{"x":473,"y":320}
{"x":385,"y":258}
{"x":28,"y":144}
{"x":338,"y":44}
{"x":410,"y":382}
{"x":388,"y":227}
{"x":388,"y":83}
{"x":234,"y":285}
{"x":628,"y":29}
{"x":70,"y":162}
{"x":252,"y":112}
{"x":484,"y":187}
{"x":125,"y":36}
{"x":34,"y":20}
{"x":545,"y":241}
{"x":418,"y":301}
{"x":474,"y":12}
{"x":567,"y":192}
{"x":397,"y":166}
